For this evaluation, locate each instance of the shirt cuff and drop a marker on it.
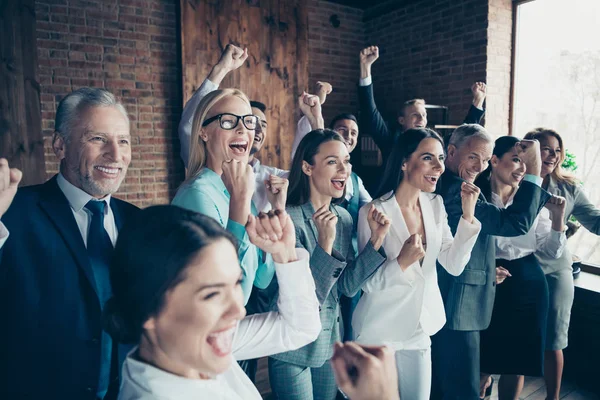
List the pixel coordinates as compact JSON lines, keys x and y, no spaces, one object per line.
{"x":295,"y":277}
{"x":536,"y":180}
{"x":365,"y":81}
{"x":3,"y":234}
{"x":238,"y":230}
{"x":210,"y":85}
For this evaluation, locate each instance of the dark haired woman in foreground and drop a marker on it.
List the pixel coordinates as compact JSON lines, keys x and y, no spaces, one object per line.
{"x":318,"y":176}
{"x":402,"y":306}
{"x":521,"y":304}
{"x":177,"y":293}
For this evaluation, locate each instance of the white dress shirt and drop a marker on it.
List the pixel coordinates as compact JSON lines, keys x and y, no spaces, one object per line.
{"x":261,"y":174}
{"x":403,"y":308}
{"x":540,"y":238}
{"x":77,"y":199}
{"x":296,"y":324}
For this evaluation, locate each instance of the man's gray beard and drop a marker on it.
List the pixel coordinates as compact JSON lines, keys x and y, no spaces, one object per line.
{"x":253,"y":150}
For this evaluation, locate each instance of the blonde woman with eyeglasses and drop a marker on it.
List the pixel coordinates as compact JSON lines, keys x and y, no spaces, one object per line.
{"x":220,"y":183}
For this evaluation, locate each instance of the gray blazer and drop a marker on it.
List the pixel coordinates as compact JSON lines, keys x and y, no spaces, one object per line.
{"x":469,"y":297}
{"x":580,"y":207}
{"x":335,"y":274}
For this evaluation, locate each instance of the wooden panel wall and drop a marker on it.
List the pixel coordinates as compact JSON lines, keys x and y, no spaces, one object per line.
{"x":21,"y":140}
{"x":276,"y":35}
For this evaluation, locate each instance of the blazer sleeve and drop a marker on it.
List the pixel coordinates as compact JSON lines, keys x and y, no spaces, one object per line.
{"x":515,"y":220}
{"x":474,"y":115}
{"x":187,"y":117}
{"x":201,"y":200}
{"x":325,"y":268}
{"x":455,"y":251}
{"x":586,"y":213}
{"x":371,"y":121}
{"x":297,"y":322}
{"x":359,"y":270}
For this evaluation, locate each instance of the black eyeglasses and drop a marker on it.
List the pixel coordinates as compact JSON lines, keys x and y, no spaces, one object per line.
{"x":229,"y":121}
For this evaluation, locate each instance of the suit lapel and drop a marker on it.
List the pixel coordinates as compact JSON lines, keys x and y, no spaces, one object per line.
{"x":308,"y":211}
{"x":392,"y":210}
{"x":429,"y":225}
{"x":57,"y":208}
{"x":114,"y":206}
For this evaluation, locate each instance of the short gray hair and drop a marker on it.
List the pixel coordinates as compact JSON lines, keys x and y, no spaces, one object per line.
{"x":75,"y":103}
{"x":468,"y":131}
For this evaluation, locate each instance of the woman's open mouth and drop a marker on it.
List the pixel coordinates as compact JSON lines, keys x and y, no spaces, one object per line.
{"x":239,"y":147}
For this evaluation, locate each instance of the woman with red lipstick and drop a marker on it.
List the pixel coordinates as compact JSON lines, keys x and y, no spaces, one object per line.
{"x":402,"y":305}
{"x":558,"y":271}
{"x":178,"y":296}
{"x":521,"y":304}
{"x":219,"y":182}
{"x":318,"y":176}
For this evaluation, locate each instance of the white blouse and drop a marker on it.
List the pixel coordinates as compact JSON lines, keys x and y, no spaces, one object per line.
{"x":296,"y":324}
{"x":540,"y":238}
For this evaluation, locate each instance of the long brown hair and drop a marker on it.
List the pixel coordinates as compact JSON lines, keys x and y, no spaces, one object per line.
{"x":559,"y":175}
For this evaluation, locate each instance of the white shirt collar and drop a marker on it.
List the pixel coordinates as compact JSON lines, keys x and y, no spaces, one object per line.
{"x":76,"y":197}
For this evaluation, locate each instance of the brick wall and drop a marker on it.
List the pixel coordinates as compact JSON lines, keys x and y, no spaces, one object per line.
{"x":498,"y":75}
{"x":333,"y":53}
{"x":433,"y":50}
{"x":130,"y":48}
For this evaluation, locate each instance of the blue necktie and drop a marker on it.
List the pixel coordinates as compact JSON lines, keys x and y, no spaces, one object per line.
{"x":100,"y":248}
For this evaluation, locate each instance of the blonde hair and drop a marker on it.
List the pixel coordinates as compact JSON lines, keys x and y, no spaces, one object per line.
{"x":197,"y":159}
{"x":558,"y":174}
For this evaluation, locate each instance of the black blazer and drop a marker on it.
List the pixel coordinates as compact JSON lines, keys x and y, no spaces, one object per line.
{"x":51,"y":317}
{"x":373,"y":124}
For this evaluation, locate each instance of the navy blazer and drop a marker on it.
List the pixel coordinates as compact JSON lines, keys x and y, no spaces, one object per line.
{"x":51,"y":317}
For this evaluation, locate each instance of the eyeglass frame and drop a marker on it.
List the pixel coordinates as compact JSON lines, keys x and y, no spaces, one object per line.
{"x":239,"y":117}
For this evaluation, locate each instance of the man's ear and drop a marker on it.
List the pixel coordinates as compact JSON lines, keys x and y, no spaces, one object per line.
{"x":59,"y":146}
{"x":451,"y":151}
{"x":307,"y":168}
{"x":401,"y":121}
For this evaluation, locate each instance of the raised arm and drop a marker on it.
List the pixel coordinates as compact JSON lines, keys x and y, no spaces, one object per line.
{"x":371,"y":121}
{"x":9,"y":182}
{"x":231,"y":59}
{"x":456,"y":250}
{"x":476,"y":111}
{"x":297,"y":322}
{"x":304,"y":124}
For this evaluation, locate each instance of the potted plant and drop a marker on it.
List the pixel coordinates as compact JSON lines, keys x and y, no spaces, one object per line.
{"x":569,"y":164}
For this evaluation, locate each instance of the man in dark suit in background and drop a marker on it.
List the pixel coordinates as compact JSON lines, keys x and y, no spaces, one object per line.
{"x":469,"y":297}
{"x":56,"y":242}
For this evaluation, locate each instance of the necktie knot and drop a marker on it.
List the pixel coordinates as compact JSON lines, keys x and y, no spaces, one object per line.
{"x":96,"y":207}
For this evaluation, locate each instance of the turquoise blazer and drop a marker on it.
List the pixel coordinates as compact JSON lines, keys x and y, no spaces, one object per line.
{"x":208,"y":195}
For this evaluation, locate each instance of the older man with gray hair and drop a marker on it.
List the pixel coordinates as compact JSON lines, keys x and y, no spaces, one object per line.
{"x":56,"y":240}
{"x":469,"y":297}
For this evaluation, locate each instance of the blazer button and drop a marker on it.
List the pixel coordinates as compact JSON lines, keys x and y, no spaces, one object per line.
{"x":494,"y":283}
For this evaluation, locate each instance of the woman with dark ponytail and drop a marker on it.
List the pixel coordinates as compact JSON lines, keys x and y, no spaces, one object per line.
{"x":177,"y":294}
{"x":521,"y":304}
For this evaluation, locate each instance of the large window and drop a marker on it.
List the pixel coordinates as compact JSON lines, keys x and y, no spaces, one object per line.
{"x":557,"y":85}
